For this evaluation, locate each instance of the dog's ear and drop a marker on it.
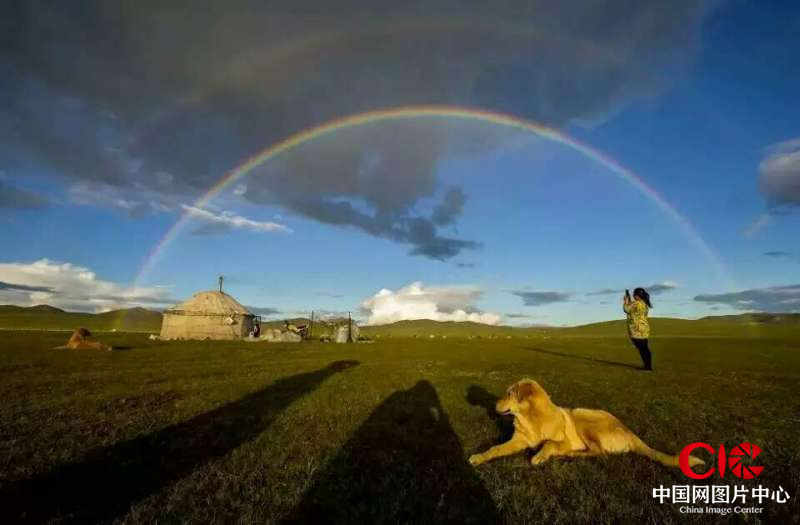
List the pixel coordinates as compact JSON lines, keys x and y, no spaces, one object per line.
{"x":533,"y":392}
{"x":523,"y":390}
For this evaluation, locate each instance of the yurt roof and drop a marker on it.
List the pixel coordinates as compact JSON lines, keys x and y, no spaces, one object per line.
{"x":210,"y":303}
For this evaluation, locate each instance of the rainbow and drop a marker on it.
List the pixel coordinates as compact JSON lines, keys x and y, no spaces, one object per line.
{"x":454,"y":112}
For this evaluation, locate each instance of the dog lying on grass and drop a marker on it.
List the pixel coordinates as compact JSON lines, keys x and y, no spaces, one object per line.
{"x":564,"y":431}
{"x":80,"y":340}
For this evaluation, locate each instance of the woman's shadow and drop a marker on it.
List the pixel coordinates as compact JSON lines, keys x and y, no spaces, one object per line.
{"x":404,"y":464}
{"x":108,"y":480}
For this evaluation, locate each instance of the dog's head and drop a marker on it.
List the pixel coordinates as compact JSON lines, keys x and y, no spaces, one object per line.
{"x":523,"y":396}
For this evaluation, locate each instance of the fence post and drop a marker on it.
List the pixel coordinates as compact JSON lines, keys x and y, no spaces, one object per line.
{"x":349,"y":328}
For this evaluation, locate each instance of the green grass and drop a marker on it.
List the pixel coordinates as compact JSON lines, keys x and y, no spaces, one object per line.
{"x":260,"y":432}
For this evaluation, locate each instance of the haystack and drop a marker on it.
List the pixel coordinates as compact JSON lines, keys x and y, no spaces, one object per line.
{"x":208,"y":315}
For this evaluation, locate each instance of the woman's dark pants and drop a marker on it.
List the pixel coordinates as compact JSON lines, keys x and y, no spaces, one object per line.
{"x":644,"y":351}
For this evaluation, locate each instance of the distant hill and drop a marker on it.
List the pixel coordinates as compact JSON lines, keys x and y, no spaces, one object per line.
{"x":39,"y":308}
{"x":756,"y":325}
{"x":45,"y":317}
{"x":426,"y":327}
{"x":755,"y":318}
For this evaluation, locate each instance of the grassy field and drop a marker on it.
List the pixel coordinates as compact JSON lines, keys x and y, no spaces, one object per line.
{"x":260,"y":432}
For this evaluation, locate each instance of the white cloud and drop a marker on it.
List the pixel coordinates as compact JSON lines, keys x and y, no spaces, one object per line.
{"x":226,"y":220}
{"x":71,"y":287}
{"x":93,"y":194}
{"x":416,"y":301}
{"x":759,"y":224}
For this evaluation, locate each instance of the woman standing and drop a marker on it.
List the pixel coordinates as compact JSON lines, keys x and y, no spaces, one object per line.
{"x":638,"y":327}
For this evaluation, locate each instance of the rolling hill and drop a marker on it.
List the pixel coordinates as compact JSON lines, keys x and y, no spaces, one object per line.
{"x":45,"y":317}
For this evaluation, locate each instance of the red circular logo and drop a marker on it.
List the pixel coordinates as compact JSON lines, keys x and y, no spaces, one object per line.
{"x":739,"y":452}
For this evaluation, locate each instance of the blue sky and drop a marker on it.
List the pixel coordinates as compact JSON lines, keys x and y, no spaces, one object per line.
{"x":107,"y":139}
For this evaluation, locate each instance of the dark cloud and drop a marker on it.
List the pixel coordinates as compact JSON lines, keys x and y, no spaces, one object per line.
{"x":517,"y":316}
{"x":24,"y":287}
{"x":540,"y":298}
{"x":658,"y":288}
{"x":263,"y":310}
{"x":330,"y":294}
{"x":653,"y":289}
{"x":447,"y":211}
{"x":777,"y":254}
{"x":150,"y":103}
{"x":780,"y":174}
{"x":12,"y":197}
{"x":773,"y":299}
{"x":353,"y":179}
{"x":465,"y":265}
{"x":604,"y":291}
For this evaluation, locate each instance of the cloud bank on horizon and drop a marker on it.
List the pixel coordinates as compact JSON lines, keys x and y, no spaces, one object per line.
{"x":417,"y":301}
{"x":72,"y":287}
{"x":771,"y":299}
{"x":146,"y":124}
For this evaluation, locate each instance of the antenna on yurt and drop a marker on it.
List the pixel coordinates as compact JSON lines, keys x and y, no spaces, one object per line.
{"x":221,"y":278}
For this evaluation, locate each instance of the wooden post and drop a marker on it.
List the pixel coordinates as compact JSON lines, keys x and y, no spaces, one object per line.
{"x":311,"y":326}
{"x":349,"y":328}
{"x":220,"y":283}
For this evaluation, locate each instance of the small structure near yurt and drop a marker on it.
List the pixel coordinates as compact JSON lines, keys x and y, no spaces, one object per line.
{"x":345,"y":331}
{"x":208,"y":315}
{"x":276,"y":335}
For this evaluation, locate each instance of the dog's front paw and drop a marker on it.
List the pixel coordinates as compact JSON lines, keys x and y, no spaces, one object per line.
{"x":538,"y":459}
{"x":475,"y":459}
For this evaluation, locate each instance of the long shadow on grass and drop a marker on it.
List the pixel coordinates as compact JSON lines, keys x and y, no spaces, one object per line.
{"x":405,"y":464}
{"x":110,"y":479}
{"x":582,"y":358}
{"x":478,"y":396}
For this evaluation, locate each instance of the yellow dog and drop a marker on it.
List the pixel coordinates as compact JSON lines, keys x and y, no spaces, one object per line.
{"x":564,"y":431}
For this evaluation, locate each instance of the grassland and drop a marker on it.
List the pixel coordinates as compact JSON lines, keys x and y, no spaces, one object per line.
{"x":260,"y":432}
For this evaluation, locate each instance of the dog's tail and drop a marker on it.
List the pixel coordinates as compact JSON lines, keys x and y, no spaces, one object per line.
{"x":640,"y":447}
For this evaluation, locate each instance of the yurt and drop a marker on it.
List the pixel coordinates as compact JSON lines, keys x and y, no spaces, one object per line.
{"x":208,"y":315}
